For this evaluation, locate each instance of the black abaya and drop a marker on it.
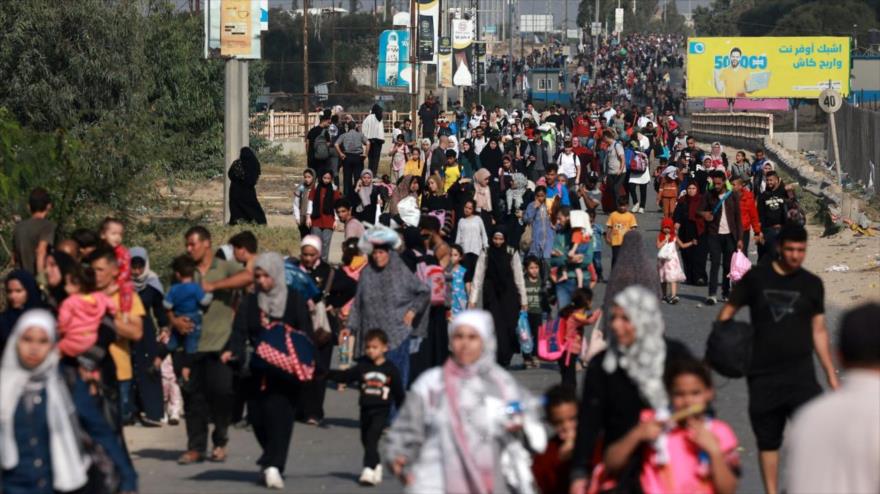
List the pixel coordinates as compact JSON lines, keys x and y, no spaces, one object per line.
{"x":243,"y":204}
{"x":501,"y":299}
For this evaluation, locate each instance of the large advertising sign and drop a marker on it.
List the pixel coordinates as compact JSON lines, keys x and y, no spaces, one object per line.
{"x":463,"y":52}
{"x":232,"y":28}
{"x":444,"y":62}
{"x":429,"y":12}
{"x":394,"y":69}
{"x":764,"y":67}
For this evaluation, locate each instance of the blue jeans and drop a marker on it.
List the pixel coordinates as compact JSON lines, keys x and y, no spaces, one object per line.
{"x":189,"y":342}
{"x":564,"y":291}
{"x":125,"y":400}
{"x":597,"y":262}
{"x":400,"y":358}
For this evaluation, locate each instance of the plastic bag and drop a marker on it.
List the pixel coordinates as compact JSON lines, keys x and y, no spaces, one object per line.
{"x":667,"y":252}
{"x":739,"y":265}
{"x":524,"y":334}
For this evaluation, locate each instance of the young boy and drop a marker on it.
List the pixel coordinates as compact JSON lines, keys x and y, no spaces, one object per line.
{"x":537,"y":304}
{"x":352,"y":227}
{"x":619,"y":223}
{"x":380,"y":387}
{"x":186,"y":298}
{"x":552,"y":467}
{"x":32,"y":238}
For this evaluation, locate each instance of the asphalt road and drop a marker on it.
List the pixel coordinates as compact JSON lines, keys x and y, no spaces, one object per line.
{"x":328,"y":459}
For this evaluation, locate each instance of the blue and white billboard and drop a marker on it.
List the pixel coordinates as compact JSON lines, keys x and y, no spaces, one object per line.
{"x":394,"y":70}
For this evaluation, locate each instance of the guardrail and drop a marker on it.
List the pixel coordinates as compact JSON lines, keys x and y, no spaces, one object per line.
{"x":739,"y":125}
{"x":281,"y":126}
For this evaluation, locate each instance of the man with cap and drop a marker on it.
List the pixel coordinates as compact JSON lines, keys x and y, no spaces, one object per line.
{"x":834,"y":442}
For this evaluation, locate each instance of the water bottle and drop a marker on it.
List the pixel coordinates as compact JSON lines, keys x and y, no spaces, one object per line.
{"x":344,"y":353}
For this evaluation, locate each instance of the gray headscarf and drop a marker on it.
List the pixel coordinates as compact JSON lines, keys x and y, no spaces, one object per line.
{"x":643,"y":361}
{"x":274,"y":301}
{"x":633,"y":267}
{"x":148,"y":278}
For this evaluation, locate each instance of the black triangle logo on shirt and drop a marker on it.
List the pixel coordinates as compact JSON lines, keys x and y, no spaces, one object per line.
{"x":781,"y":302}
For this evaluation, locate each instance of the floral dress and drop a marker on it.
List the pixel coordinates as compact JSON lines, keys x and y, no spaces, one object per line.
{"x":670,"y":270}
{"x":458,"y":292}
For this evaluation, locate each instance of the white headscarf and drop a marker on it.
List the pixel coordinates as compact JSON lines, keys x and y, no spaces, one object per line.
{"x":69,"y":465}
{"x":274,"y":301}
{"x":482,"y":322}
{"x":644,"y":361}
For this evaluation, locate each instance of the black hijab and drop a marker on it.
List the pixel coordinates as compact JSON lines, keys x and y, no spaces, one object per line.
{"x":377,"y":110}
{"x":498,"y":267}
{"x":66,"y":265}
{"x":10,"y":316}
{"x":491,"y":158}
{"x":251,"y":165}
{"x":326,"y":202}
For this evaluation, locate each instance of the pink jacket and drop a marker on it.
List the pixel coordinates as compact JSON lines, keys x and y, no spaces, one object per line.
{"x":78,"y":319}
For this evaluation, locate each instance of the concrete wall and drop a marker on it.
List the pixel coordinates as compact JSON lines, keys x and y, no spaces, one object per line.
{"x":800,"y":141}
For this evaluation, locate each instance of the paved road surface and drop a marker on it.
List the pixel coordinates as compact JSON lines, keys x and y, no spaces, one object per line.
{"x":328,"y":459}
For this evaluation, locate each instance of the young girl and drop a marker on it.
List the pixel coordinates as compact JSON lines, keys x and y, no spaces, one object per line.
{"x":112,"y":232}
{"x":699,"y":453}
{"x":81,"y":312}
{"x":399,"y":156}
{"x":667,"y":195}
{"x":414,"y":166}
{"x":669,"y":266}
{"x":458,"y":288}
{"x":576,"y":316}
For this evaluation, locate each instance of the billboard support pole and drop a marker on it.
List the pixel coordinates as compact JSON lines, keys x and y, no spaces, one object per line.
{"x":413,"y":67}
{"x":306,"y":72}
{"x":442,"y":32}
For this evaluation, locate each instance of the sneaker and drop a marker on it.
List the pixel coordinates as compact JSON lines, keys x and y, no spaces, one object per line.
{"x":377,"y":474}
{"x":367,"y":476}
{"x":148,"y":422}
{"x":174,"y":419}
{"x":272,"y":478}
{"x":711,"y":300}
{"x":641,"y":210}
{"x":674,"y":300}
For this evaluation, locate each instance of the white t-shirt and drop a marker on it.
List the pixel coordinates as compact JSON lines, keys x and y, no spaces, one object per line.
{"x":723,"y":227}
{"x":569,"y":164}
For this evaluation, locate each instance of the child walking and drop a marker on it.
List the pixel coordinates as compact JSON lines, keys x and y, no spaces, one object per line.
{"x":81,"y":312}
{"x":458,"y":288}
{"x":668,"y":260}
{"x":380,"y":387}
{"x":699,"y":452}
{"x":576,"y":316}
{"x":186,"y":298}
{"x":552,"y":468}
{"x":619,"y":223}
{"x":537,"y":305}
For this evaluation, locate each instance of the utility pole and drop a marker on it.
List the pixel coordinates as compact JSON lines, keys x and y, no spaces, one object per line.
{"x":510,"y":7}
{"x":442,"y":30}
{"x":476,"y":50}
{"x":595,"y":46}
{"x":413,"y":69}
{"x":305,"y":70}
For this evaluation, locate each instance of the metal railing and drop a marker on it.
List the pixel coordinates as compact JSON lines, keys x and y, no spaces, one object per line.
{"x":285,"y":126}
{"x":738,"y":125}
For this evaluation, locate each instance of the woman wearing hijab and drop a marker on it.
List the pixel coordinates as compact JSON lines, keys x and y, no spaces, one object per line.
{"x":389,"y":296}
{"x":58,"y":266}
{"x":468,"y":159}
{"x":367,"y":199}
{"x":498,"y":280}
{"x":490,"y":157}
{"x":322,"y":215}
{"x":21,"y":294}
{"x":409,"y":192}
{"x":243,"y":176}
{"x":145,"y":352}
{"x":690,"y":226}
{"x":275,"y":394}
{"x":453,"y":433}
{"x":717,"y":157}
{"x":485,"y":197}
{"x":373,"y":130}
{"x":623,"y":380}
{"x":42,"y":421}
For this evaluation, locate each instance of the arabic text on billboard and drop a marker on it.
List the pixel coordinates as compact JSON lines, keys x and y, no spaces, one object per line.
{"x":765,"y":67}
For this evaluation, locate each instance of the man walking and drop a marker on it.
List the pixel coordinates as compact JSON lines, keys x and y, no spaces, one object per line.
{"x":787,"y":306}
{"x":209,"y":393}
{"x":615,"y":166}
{"x":352,"y":147}
{"x":721,"y":211}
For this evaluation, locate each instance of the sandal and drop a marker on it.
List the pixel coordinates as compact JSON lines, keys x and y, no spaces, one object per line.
{"x":218,"y":455}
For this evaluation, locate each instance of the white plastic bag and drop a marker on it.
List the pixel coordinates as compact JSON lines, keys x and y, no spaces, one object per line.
{"x":667,"y":252}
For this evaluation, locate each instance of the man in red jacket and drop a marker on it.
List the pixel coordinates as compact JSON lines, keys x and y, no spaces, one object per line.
{"x":749,"y":212}
{"x":588,"y":159}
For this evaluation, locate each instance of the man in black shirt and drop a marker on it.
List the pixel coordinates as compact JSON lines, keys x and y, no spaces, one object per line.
{"x":319,"y":145}
{"x":787,"y":309}
{"x":771,"y":212}
{"x":428,"y":113}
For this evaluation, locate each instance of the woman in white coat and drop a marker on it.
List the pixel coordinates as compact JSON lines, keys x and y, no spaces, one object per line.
{"x":466,"y":426}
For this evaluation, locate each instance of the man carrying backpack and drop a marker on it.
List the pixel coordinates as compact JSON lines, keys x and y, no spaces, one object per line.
{"x":318,"y":145}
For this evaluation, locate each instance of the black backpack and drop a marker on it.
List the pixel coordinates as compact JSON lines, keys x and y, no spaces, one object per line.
{"x":729,"y":348}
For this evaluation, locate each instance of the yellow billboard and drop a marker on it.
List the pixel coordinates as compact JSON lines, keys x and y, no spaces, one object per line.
{"x":765,"y":67}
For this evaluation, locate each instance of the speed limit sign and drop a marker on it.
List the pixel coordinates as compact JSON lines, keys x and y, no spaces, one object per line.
{"x":830,"y":100}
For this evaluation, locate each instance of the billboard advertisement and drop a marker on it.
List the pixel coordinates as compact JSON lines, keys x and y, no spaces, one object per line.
{"x":429,"y":13}
{"x":394,"y":69}
{"x":463,"y":52}
{"x":232,"y":28}
{"x":444,"y":62}
{"x":767,"y":67}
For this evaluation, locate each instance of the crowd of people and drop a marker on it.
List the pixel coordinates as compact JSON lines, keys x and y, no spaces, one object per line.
{"x":483,"y":241}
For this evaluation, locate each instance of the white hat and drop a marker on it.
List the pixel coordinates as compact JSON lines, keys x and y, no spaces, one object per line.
{"x":311,"y":241}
